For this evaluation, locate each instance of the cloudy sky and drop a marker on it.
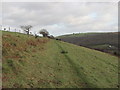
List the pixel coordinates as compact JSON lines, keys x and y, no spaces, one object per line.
{"x":62,"y":17}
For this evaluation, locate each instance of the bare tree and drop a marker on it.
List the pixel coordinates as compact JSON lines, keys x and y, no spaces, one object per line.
{"x":44,"y":32}
{"x":26,"y":28}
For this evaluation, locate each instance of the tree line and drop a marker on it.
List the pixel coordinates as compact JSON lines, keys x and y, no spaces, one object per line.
{"x":27,"y":29}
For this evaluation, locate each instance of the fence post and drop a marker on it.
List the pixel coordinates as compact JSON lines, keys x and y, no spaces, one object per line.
{"x":9,"y":28}
{"x":4,"y":29}
{"x":15,"y":31}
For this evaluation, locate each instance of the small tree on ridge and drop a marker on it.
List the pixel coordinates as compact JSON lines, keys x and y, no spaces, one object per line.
{"x":44,"y":32}
{"x":26,"y":28}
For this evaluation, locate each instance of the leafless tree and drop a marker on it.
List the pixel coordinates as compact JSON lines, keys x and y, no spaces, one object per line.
{"x":26,"y":28}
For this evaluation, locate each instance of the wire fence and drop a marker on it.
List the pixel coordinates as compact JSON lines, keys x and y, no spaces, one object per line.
{"x":12,"y":30}
{"x":17,"y":30}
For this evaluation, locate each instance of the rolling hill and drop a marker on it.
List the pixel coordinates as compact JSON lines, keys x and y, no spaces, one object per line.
{"x":30,"y":62}
{"x":105,"y":42}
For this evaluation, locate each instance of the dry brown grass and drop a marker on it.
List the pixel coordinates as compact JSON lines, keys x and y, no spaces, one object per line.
{"x":17,"y":47}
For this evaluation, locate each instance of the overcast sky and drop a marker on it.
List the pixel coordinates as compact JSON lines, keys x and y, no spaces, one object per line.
{"x":62,"y":17}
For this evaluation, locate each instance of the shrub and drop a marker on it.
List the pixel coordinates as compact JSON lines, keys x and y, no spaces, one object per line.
{"x":63,"y":52}
{"x":36,"y":36}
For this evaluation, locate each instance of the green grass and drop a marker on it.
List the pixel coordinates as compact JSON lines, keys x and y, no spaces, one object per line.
{"x":39,"y":63}
{"x":78,"y":34}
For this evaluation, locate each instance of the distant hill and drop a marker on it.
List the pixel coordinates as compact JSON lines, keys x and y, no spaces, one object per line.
{"x":30,"y":62}
{"x":106,"y":42}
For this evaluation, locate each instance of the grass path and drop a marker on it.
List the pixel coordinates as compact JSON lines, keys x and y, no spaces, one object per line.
{"x":65,"y":73}
{"x":79,"y":73}
{"x":95,"y":69}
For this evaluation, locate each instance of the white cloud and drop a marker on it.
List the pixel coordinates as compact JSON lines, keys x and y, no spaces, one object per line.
{"x":61,"y":18}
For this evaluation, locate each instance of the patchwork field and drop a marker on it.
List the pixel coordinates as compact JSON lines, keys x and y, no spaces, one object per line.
{"x":105,"y":42}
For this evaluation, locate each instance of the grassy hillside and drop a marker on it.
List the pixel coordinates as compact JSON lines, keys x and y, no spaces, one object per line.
{"x":106,"y":42}
{"x":45,"y":63}
{"x":77,"y":35}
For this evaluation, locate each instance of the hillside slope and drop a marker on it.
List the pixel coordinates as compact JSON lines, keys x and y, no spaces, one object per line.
{"x":106,"y":42}
{"x":30,"y":62}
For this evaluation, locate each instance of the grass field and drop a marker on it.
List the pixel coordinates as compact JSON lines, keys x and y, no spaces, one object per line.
{"x":78,"y":35}
{"x":30,"y":62}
